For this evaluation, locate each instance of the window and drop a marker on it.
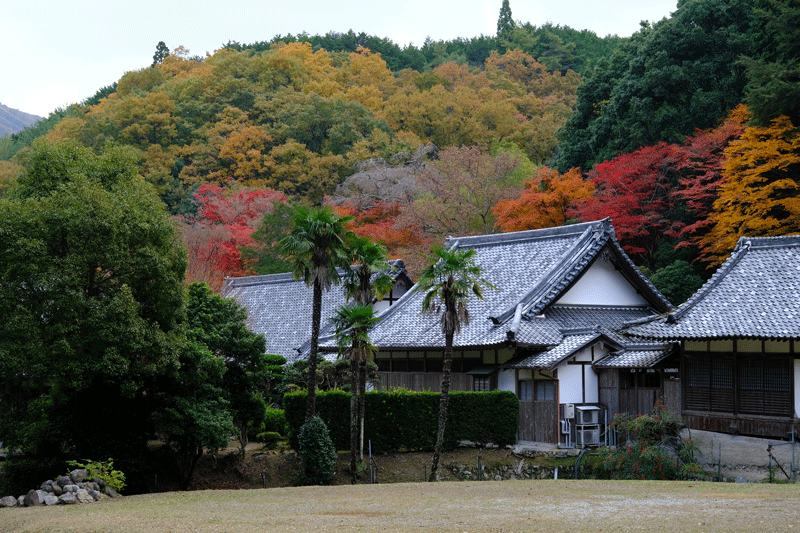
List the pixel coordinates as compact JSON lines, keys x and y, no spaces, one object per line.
{"x":545,"y":391}
{"x":481,"y":384}
{"x":539,"y":390}
{"x":762,"y":385}
{"x":526,"y":390}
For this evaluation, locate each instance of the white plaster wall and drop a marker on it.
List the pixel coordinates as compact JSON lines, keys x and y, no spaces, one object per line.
{"x":797,"y":387}
{"x":506,"y":380}
{"x":383,"y":305}
{"x":570,"y":379}
{"x":602,"y":284}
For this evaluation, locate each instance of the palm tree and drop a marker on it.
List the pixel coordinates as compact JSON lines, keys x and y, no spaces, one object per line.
{"x":447,"y":284}
{"x":315,"y":247}
{"x":367,"y":282}
{"x":351,"y":325}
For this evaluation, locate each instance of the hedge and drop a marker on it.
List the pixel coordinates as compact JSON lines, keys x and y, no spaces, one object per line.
{"x":407,"y":420}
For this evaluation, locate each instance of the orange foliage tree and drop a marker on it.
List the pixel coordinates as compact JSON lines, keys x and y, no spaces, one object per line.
{"x":548,"y":200}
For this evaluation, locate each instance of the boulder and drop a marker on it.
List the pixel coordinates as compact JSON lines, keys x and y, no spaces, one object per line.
{"x":79,"y":475}
{"x":108,"y":490}
{"x":32,"y":498}
{"x":68,"y":498}
{"x":57,"y":490}
{"x":94,"y":494}
{"x":70,"y":488}
{"x":8,"y":501}
{"x":21,"y":501}
{"x":47,"y":486}
{"x":84,"y":496}
{"x":50,"y":499}
{"x":64,"y":480}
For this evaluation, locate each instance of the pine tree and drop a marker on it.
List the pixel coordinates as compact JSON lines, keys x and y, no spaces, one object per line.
{"x":505,"y":23}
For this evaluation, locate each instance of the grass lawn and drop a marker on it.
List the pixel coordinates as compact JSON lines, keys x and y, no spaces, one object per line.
{"x":546,"y":506}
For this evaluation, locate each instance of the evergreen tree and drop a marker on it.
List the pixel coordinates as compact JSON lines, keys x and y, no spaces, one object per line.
{"x":505,"y":23}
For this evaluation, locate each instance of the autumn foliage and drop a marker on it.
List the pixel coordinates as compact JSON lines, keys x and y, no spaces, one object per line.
{"x":548,"y":200}
{"x":225,"y":220}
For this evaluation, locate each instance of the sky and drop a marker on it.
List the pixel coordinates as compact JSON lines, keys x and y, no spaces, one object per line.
{"x":59,"y":52}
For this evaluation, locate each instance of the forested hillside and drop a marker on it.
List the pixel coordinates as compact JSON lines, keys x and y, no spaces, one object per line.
{"x":685,"y":134}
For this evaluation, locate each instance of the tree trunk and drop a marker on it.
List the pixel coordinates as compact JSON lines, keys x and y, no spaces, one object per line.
{"x":316,"y":318}
{"x":362,"y":403}
{"x":443,"y":403}
{"x":353,"y":418}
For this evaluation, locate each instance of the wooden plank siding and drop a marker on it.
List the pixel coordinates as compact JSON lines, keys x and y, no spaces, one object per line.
{"x":538,"y":421}
{"x":422,"y":381}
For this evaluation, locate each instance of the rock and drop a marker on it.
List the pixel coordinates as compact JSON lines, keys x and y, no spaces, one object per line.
{"x":99,"y":482}
{"x":108,"y":490}
{"x":31,"y":499}
{"x":68,"y":498}
{"x":79,"y":475}
{"x":21,"y":501}
{"x":64,"y":481}
{"x":50,"y":499}
{"x":47,"y":486}
{"x":70,"y":488}
{"x":57,"y":490}
{"x":84,"y":496}
{"x":8,"y":501}
{"x":94,"y":494}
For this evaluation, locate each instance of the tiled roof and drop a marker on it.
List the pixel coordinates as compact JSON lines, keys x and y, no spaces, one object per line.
{"x":530,"y":269}
{"x":551,"y":357}
{"x":755,"y":294}
{"x":636,"y":356}
{"x":280,"y":307}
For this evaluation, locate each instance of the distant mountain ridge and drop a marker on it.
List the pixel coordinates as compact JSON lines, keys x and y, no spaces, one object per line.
{"x":14,"y":120}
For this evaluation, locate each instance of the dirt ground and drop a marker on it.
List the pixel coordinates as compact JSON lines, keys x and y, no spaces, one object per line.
{"x":280,"y":467}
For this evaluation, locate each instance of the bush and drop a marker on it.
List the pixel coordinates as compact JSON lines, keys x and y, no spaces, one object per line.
{"x":317,"y":451}
{"x":268,"y":438}
{"x":102,"y":470}
{"x":275,"y":421}
{"x":21,"y":474}
{"x":650,"y":447}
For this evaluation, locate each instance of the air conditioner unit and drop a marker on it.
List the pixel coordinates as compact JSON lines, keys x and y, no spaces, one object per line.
{"x":588,"y":437}
{"x":587,"y":415}
{"x":569,"y":410}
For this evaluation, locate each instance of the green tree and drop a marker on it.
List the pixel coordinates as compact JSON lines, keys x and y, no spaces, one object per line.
{"x":351,"y":325}
{"x":161,"y":53}
{"x":505,"y":22}
{"x":91,"y":305}
{"x":447,"y":284}
{"x":219,"y":323}
{"x":315,"y":248}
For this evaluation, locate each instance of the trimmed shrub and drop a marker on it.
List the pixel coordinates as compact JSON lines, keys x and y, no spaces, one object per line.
{"x":268,"y":438}
{"x":407,"y":420}
{"x":317,"y":452}
{"x":275,"y":421}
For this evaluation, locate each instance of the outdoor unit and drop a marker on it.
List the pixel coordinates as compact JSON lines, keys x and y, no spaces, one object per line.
{"x":587,"y":415}
{"x":588,"y":437}
{"x":569,"y":410}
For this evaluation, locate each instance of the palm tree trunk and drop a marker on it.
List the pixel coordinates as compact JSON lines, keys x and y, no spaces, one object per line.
{"x":353,"y":418}
{"x":443,"y":404}
{"x":316,"y":318}
{"x":362,"y":403}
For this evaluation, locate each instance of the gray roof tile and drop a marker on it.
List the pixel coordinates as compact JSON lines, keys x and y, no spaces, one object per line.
{"x":755,"y":294}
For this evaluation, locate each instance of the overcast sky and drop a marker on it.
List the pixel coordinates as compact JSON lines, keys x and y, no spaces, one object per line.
{"x":58,"y":52}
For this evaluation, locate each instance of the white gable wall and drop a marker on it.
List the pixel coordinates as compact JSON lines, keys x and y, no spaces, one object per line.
{"x":602,"y":284}
{"x":572,"y":377}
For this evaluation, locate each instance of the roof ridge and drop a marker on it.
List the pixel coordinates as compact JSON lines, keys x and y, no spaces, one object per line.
{"x":546,"y":281}
{"x":526,"y":235}
{"x":779,"y":241}
{"x":742,"y":247}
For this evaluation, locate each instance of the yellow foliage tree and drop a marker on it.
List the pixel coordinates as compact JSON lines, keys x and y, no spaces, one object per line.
{"x":761,"y":193}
